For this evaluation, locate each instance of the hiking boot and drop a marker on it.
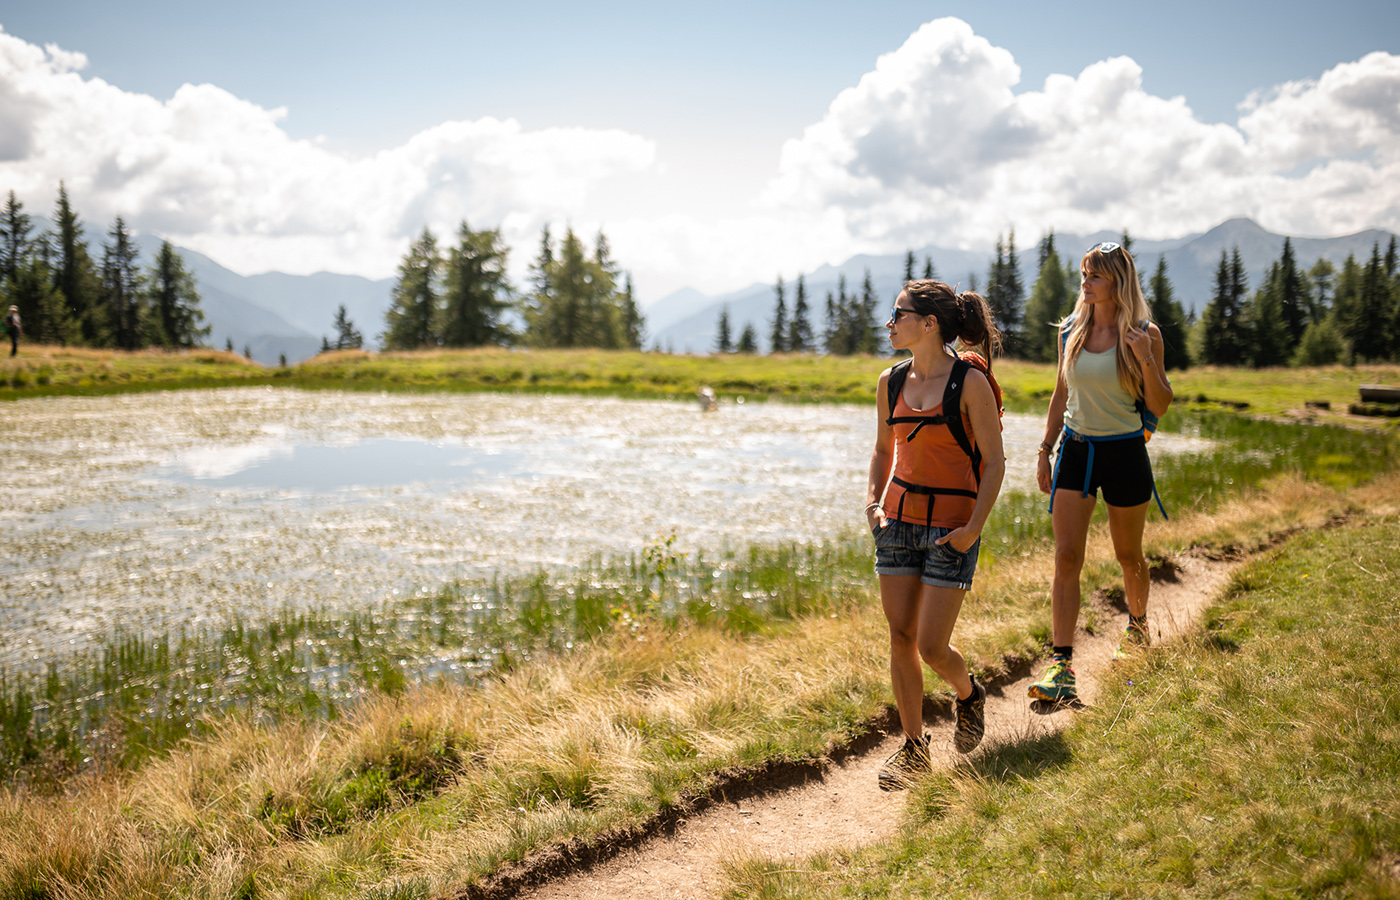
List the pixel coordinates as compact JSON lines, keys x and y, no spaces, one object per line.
{"x":909,"y":761}
{"x":1056,"y":685}
{"x":1134,"y":639}
{"x":971,"y":719}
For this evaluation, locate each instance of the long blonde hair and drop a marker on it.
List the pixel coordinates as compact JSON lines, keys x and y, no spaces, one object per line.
{"x":1129,"y":305}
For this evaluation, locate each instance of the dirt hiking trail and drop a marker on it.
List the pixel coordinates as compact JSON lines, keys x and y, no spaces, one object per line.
{"x":837,"y":803}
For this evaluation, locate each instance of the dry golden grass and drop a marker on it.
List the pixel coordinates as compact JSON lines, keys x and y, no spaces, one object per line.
{"x":565,"y":746}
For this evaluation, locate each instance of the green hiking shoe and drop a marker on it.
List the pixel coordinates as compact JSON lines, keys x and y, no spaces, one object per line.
{"x":1056,"y":685}
{"x":971,"y":719}
{"x":1134,"y":639}
{"x":908,"y":762}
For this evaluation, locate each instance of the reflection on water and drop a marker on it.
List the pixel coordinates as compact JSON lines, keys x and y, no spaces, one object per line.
{"x":318,"y":468}
{"x":157,"y":510}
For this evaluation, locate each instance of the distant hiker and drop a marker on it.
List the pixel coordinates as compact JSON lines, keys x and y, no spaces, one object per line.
{"x":708,"y":401}
{"x":13,"y":329}
{"x":934,"y":475}
{"x":1109,"y":392}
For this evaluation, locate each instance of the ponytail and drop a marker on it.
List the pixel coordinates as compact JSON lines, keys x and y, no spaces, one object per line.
{"x":964,"y":317}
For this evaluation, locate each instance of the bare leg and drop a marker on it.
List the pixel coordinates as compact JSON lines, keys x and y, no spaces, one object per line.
{"x":921,"y":619}
{"x":1125,"y":525}
{"x":1071,"y":523}
{"x":938,"y":613}
{"x":900,"y":596}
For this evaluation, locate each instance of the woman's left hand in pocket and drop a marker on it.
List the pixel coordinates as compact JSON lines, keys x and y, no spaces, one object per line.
{"x":960,"y":539}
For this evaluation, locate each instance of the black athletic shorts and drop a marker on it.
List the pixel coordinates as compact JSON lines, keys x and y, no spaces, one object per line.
{"x":1121,"y":469}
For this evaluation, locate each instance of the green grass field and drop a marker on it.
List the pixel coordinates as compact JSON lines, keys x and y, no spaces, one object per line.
{"x":48,"y":371}
{"x":1261,"y":759}
{"x":1239,"y":766}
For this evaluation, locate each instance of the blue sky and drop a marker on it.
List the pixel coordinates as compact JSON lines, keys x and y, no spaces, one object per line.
{"x":698,"y":122}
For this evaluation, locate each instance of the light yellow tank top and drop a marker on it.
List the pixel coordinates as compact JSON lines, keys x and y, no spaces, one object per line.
{"x":1098,"y":405}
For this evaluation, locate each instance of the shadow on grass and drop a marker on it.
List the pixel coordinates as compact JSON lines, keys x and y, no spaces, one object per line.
{"x":1027,"y":758}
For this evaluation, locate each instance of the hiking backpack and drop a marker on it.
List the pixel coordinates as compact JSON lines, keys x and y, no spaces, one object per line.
{"x":952,"y":400}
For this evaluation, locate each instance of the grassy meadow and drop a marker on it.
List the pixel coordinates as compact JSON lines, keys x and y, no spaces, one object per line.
{"x":598,"y":701}
{"x":1261,"y":759}
{"x":48,"y":371}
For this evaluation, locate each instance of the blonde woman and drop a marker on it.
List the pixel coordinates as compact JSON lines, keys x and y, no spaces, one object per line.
{"x":934,"y":475}
{"x":1110,"y":376}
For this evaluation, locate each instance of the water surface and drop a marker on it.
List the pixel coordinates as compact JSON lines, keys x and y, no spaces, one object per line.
{"x":165,"y":509}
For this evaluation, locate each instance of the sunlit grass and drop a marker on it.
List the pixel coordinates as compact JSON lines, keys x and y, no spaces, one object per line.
{"x":44,"y":371}
{"x":137,"y":695}
{"x":324,"y":754}
{"x":1259,"y":759}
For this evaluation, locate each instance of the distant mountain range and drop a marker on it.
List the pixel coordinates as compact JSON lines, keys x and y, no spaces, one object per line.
{"x":275,"y":314}
{"x":686,"y":321}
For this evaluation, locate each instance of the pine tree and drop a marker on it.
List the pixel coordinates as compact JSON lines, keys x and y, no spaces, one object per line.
{"x":412,"y":317}
{"x":1015,"y":289}
{"x":121,"y":294}
{"x":1269,"y":343}
{"x":76,"y":276}
{"x":996,"y":278}
{"x":633,"y":323}
{"x":1048,"y":303}
{"x":347,"y":336}
{"x":1005,"y":289}
{"x":778,"y":333}
{"x":476,"y":290}
{"x":1322,"y":283}
{"x":577,"y":302}
{"x":866,"y":328}
{"x":800,"y":339}
{"x":748,"y":340}
{"x":1170,"y":318}
{"x":15,"y":227}
{"x":831,"y":326}
{"x":908,"y":266}
{"x":541,"y":293}
{"x":1292,"y":294}
{"x":843,"y":335}
{"x":42,"y":308}
{"x":1223,"y":339}
{"x":1371,"y":342}
{"x":929,"y":271}
{"x":175,"y":316}
{"x":724,"y":343}
{"x":1346,"y":305}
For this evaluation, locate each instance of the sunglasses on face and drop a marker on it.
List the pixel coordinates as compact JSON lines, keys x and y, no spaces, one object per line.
{"x":901,"y":311}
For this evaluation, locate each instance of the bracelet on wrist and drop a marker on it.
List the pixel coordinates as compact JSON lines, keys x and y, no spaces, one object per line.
{"x":1046,"y":446}
{"x":871,"y":506}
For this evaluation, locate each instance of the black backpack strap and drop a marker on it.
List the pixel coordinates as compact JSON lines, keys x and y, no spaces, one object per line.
{"x":895,"y":384}
{"x":952,"y":411}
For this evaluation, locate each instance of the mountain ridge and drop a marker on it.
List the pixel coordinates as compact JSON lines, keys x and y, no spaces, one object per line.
{"x":1191,"y":263}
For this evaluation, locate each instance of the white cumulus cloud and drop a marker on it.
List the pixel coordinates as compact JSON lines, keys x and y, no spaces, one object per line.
{"x":211,"y":171}
{"x":935,"y":145}
{"x":939,"y":144}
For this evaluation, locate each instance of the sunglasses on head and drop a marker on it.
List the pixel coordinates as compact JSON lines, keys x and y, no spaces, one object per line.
{"x":1106,"y":247}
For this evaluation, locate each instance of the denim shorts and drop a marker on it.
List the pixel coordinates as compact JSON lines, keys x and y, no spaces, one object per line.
{"x":905,"y":548}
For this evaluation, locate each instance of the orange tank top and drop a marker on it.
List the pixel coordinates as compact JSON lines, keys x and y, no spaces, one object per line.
{"x":933,"y":460}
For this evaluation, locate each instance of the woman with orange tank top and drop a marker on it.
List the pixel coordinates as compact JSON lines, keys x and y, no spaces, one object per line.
{"x":934,"y":475}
